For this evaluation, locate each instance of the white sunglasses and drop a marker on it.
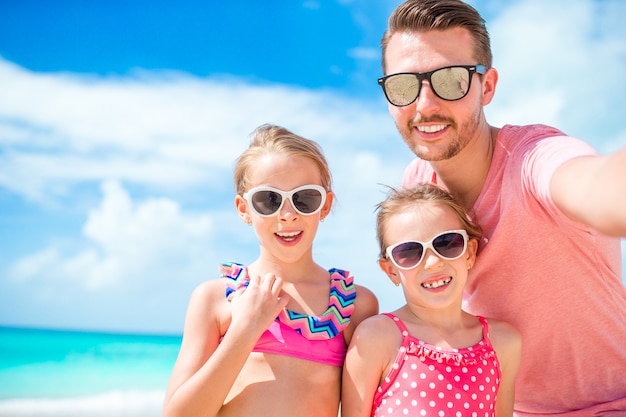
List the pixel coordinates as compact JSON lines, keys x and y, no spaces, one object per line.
{"x":267,"y":201}
{"x":449,"y":245}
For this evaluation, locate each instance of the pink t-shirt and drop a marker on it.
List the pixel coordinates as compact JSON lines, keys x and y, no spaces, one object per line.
{"x":557,"y":281}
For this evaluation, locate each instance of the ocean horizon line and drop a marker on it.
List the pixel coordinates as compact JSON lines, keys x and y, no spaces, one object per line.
{"x":100,"y":331}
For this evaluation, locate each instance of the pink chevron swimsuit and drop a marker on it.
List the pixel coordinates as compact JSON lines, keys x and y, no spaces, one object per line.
{"x":426,"y":380}
{"x":315,"y":338}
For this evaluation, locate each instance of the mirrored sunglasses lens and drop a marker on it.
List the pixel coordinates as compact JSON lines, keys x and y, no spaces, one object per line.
{"x":408,"y":254}
{"x":451,"y":83}
{"x":449,"y":245}
{"x":266,"y":202}
{"x":307,"y":201}
{"x":402,"y":89}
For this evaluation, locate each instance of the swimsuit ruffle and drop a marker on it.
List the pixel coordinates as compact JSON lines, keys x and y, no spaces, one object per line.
{"x":465,"y":357}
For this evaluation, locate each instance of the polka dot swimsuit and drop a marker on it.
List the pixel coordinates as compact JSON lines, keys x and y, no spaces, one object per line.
{"x":426,"y":380}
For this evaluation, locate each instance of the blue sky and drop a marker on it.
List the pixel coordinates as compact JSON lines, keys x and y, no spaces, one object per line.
{"x":120,"y":122}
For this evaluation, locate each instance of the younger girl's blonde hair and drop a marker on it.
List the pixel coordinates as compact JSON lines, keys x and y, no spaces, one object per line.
{"x":422,"y":194}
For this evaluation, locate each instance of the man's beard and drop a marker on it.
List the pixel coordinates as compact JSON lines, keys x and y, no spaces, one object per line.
{"x":456,"y":143}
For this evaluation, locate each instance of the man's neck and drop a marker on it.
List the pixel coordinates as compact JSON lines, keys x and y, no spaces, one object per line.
{"x":464,"y":175}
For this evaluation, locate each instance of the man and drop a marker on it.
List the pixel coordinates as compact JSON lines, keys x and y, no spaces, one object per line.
{"x":546,"y":202}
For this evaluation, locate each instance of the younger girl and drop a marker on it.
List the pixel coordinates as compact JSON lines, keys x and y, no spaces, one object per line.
{"x":429,"y":357}
{"x":269,"y":338}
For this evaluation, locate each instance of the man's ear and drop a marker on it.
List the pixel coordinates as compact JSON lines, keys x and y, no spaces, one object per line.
{"x":242,"y":209}
{"x":389,"y":269}
{"x":489,"y":82}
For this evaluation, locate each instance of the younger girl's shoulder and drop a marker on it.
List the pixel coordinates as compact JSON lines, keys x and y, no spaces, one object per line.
{"x":378,"y":327}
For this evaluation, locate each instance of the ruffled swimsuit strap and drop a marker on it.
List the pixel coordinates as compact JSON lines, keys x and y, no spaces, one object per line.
{"x":335,"y":319}
{"x":401,"y":357}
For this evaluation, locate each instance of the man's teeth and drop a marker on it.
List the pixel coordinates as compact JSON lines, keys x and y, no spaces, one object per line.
{"x":431,"y":129}
{"x":288,"y":236}
{"x":437,"y":284}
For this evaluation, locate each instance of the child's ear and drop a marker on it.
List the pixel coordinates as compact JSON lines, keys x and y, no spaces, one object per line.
{"x":389,"y":269}
{"x":470,"y":253}
{"x":242,"y":209}
{"x":328,"y":205}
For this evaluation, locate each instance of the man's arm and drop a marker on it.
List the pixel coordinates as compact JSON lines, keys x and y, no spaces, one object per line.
{"x":592,"y":190}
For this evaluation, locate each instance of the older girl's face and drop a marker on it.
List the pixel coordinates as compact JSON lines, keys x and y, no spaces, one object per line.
{"x":287,"y":235}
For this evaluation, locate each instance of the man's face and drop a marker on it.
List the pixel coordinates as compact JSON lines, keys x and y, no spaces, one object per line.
{"x":435,"y":129}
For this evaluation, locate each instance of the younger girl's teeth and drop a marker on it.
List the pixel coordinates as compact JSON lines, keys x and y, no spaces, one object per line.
{"x":437,"y":284}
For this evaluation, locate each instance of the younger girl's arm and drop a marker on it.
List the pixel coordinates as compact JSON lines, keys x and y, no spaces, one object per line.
{"x":507,"y":343}
{"x":370,"y":355}
{"x":206,"y":368}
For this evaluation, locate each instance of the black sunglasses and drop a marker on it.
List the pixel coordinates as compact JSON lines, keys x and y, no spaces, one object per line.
{"x":449,"y":245}
{"x":448,"y":83}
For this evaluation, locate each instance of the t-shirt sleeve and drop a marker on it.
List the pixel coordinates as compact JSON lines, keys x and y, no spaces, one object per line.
{"x":540,"y":160}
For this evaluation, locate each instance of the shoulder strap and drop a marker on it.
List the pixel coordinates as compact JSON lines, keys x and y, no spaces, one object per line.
{"x":237,"y":277}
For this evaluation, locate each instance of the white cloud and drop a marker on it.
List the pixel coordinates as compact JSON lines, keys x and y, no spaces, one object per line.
{"x":562,"y":63}
{"x":156,"y":129}
{"x":126,"y":244}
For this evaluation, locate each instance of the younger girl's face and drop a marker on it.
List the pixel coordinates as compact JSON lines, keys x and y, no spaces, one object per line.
{"x":435,"y":282}
{"x":287,"y":235}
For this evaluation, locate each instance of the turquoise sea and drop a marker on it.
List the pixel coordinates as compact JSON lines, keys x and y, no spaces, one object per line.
{"x":81,"y":374}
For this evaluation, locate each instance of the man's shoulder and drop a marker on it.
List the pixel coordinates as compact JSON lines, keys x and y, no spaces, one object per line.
{"x":529,"y":131}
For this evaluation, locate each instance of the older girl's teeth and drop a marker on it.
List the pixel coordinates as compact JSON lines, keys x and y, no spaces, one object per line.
{"x":431,"y":129}
{"x":288,"y":236}
{"x":437,"y":284}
